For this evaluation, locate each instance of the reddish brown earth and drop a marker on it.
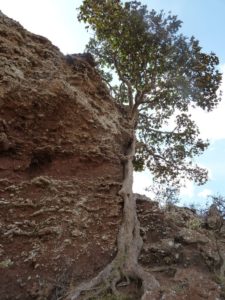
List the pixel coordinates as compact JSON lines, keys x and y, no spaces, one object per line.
{"x":61,"y":142}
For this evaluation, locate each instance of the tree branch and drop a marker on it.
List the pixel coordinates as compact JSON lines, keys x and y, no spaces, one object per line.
{"x":126,"y":81}
{"x":111,"y":88}
{"x":140,"y":95}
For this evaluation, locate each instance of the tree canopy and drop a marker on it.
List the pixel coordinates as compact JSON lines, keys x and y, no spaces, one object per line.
{"x":162,"y":77}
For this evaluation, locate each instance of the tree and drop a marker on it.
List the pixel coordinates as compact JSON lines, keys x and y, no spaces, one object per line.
{"x":165,"y":195}
{"x":162,"y":77}
{"x":218,"y":201}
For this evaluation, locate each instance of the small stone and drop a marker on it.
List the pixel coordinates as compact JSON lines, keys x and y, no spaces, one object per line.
{"x":76,"y":233}
{"x":104,"y":238}
{"x":68,"y":241}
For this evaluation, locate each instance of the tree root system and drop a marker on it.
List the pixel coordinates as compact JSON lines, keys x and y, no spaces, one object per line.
{"x":125,"y":265}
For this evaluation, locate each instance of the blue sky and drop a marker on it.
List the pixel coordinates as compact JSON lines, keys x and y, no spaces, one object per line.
{"x":56,"y":19}
{"x":202,"y":18}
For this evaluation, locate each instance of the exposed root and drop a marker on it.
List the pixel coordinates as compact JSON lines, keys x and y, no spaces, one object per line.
{"x":93,"y":284}
{"x":129,"y":243}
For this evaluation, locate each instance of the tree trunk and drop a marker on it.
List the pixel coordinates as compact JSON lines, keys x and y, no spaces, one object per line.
{"x":129,"y":244}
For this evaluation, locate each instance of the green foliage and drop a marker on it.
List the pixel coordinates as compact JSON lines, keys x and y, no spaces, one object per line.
{"x":139,"y":164}
{"x":162,"y":77}
{"x":220,"y":279}
{"x":195,"y":223}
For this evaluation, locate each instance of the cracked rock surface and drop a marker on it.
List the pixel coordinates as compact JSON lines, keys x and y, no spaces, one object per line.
{"x":61,"y":139}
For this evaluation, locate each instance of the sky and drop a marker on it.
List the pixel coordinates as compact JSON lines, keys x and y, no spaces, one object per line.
{"x":204,"y":19}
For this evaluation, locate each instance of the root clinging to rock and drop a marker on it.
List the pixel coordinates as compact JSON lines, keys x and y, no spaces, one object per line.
{"x":129,"y":243}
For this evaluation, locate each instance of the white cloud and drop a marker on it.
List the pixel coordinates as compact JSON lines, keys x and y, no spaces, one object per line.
{"x":142,"y":180}
{"x":211,"y":124}
{"x":54,"y":19}
{"x":205,"y":193}
{"x":187,"y":190}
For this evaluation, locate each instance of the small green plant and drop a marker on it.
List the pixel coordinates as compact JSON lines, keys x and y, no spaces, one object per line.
{"x":6,"y":263}
{"x":220,"y":279}
{"x":194,"y":223}
{"x":179,"y":287}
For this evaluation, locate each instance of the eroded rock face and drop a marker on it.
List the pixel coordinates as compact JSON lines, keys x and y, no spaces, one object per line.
{"x":186,"y":256}
{"x":61,"y":139}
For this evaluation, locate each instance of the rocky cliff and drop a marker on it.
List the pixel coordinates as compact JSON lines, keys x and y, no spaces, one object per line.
{"x":61,"y":138}
{"x":61,"y":142}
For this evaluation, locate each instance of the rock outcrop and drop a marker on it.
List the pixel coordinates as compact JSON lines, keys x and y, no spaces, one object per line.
{"x":61,"y":142}
{"x":187,"y":258}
